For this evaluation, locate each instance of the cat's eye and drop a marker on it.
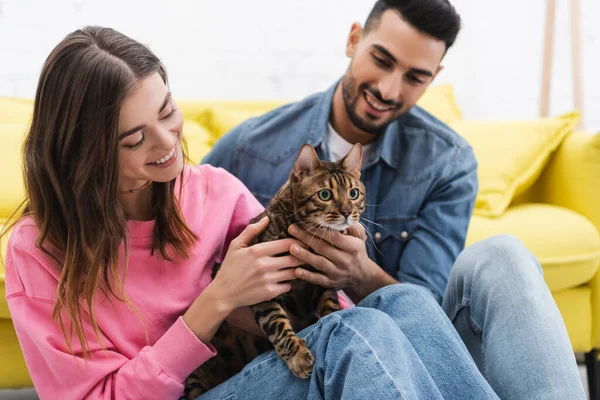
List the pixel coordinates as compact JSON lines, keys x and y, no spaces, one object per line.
{"x":325,"y":194}
{"x":354,"y":193}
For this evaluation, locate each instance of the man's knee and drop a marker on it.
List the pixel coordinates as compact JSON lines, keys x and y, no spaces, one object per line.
{"x":500,"y":258}
{"x":399,"y":297}
{"x":365,"y":319}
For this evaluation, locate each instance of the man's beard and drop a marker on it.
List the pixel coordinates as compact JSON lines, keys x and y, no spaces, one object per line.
{"x":351,"y":98}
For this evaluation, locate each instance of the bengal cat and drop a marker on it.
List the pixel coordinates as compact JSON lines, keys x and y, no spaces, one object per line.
{"x":319,"y":195}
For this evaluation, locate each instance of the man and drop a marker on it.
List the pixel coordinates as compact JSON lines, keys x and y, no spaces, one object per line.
{"x":421,"y":183}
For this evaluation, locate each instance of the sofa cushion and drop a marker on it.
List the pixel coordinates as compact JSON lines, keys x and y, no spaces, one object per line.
{"x":3,"y":244}
{"x":440,"y":101}
{"x":566,"y":243}
{"x":228,"y":115}
{"x":511,"y":155}
{"x":13,"y":371}
{"x":198,"y":111}
{"x":197,"y":139}
{"x":572,"y":177}
{"x":15,"y":110}
{"x":11,"y":176}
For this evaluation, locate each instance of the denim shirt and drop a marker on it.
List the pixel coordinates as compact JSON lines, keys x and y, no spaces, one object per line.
{"x":420,"y":180}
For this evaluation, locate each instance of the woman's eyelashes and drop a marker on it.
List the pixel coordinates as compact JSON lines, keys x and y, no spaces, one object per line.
{"x":136,"y":145}
{"x":141,"y":141}
{"x":170,"y":114}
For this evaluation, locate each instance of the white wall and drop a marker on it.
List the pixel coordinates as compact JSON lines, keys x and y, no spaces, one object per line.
{"x":288,"y":49}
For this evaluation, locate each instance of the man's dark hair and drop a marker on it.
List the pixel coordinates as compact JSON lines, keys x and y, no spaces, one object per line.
{"x":436,"y":18}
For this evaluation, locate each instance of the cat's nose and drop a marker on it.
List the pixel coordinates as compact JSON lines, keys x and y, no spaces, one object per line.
{"x":346,"y":213}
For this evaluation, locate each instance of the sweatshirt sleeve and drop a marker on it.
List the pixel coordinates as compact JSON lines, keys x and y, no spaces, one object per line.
{"x":155,"y":372}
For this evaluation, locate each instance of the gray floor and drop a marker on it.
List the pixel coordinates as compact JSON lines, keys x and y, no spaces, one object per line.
{"x":582,"y":373}
{"x":22,"y":394}
{"x":29,"y":394}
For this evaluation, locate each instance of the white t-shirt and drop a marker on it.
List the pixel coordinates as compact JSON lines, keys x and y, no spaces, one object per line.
{"x":339,"y":147}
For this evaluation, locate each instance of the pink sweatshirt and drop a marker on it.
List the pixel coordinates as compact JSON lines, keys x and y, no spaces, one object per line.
{"x":217,"y":207}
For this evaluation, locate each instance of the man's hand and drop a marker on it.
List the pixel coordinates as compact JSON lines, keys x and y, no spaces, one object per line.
{"x":341,"y":260}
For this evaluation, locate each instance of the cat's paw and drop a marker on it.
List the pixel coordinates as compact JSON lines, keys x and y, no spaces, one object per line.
{"x":301,"y":364}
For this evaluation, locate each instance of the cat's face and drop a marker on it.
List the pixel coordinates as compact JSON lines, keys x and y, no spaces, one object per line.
{"x":328,"y":195}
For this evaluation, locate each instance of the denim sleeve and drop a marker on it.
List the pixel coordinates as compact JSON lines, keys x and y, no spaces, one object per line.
{"x":443,"y":221}
{"x":223,"y":152}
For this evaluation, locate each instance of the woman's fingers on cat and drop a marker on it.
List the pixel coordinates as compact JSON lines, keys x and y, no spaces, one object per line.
{"x":284,"y":262}
{"x":282,"y":288}
{"x":285,"y":275}
{"x":244,"y":239}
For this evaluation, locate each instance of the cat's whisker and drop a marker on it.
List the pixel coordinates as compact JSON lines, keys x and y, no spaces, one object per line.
{"x":370,"y":236}
{"x":291,"y":215}
{"x":374,"y":223}
{"x":318,"y":226}
{"x":333,"y":237}
{"x":322,"y":226}
{"x":334,"y":240}
{"x":312,"y":226}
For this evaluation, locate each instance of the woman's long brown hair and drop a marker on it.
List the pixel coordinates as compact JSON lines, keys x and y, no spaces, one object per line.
{"x":71,"y":171}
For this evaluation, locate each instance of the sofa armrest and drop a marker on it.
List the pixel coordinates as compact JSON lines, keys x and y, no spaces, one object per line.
{"x":572,"y":177}
{"x":572,"y":180}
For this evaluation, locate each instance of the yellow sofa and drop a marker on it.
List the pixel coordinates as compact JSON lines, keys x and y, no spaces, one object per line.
{"x":545,"y":191}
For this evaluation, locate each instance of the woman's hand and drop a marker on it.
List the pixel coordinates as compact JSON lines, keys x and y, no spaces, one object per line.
{"x":248,"y":275}
{"x":252,"y":274}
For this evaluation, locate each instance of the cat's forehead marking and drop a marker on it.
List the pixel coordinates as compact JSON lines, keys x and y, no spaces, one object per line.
{"x":333,"y":168}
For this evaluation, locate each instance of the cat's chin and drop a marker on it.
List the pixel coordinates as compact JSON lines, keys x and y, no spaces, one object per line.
{"x":337,"y":227}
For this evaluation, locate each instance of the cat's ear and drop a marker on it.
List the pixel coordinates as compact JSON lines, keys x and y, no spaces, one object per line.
{"x":306,"y":163}
{"x":353,"y":160}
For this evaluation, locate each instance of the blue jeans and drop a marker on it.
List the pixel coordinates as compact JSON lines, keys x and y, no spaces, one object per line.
{"x":399,"y":344}
{"x":502,"y":308}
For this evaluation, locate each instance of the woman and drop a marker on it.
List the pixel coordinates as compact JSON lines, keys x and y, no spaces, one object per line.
{"x":107,"y":273}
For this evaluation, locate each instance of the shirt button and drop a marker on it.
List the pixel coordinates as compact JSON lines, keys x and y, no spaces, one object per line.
{"x":404,"y":234}
{"x":377,"y":235}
